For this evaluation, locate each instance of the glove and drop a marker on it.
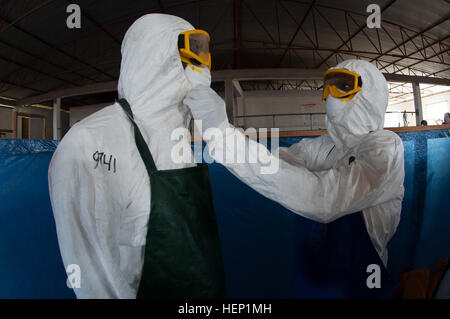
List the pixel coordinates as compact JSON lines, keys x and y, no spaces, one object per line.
{"x":198,"y":75}
{"x":208,"y":107}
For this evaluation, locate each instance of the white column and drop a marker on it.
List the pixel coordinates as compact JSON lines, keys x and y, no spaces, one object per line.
{"x":57,"y":118}
{"x":417,"y":102}
{"x":242,"y":104}
{"x":14,"y":120}
{"x":229,"y":100}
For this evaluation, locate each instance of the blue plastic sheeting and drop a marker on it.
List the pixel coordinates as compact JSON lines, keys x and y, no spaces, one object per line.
{"x":25,"y":147}
{"x":259,"y":239}
{"x":434,"y":233}
{"x":30,"y":262}
{"x":422,"y":236}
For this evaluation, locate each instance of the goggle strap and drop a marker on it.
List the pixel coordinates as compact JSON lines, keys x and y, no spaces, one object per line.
{"x":194,"y":61}
{"x":181,"y":42}
{"x":343,"y":97}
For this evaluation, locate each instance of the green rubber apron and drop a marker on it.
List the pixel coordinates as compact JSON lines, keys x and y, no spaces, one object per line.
{"x":182,"y":252}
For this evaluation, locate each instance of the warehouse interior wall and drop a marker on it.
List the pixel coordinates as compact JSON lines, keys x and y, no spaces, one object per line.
{"x":34,"y":124}
{"x":266,"y":108}
{"x":433,"y":106}
{"x":6,"y":122}
{"x":293,"y":110}
{"x":80,"y":112}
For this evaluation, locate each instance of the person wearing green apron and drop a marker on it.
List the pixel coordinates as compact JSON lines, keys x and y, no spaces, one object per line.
{"x":135,"y":221}
{"x":182,"y":252}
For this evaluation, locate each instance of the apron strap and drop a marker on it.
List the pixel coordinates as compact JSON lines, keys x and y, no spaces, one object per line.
{"x":140,"y":142}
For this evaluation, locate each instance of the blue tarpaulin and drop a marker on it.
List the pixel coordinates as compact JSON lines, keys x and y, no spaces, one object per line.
{"x":30,"y":262}
{"x":258,"y":236}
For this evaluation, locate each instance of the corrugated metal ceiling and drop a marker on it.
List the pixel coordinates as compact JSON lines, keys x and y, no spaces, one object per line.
{"x":38,"y":53}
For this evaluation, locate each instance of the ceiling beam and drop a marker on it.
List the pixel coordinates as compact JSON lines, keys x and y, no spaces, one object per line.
{"x":17,"y":85}
{"x":101,"y":87}
{"x":440,"y":21}
{"x":408,"y":56}
{"x":73,"y":57}
{"x":29,"y":68}
{"x":48,"y":61}
{"x":341,"y":51}
{"x":90,"y":18}
{"x":349,"y":11}
{"x":266,"y":74}
{"x":315,"y":44}
{"x":419,"y":79}
{"x":237,"y":32}
{"x":385,"y":7}
{"x":299,"y":26}
{"x":39,"y":58}
{"x":7,"y":102}
{"x":22,"y":16}
{"x":225,"y":75}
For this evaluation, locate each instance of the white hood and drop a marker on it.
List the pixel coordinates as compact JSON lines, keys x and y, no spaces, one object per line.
{"x":365,"y":112}
{"x":152,"y":80}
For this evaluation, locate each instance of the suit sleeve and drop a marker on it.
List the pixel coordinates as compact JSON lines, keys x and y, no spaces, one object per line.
{"x":376,"y":176}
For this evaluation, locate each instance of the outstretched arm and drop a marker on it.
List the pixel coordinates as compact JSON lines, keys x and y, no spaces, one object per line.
{"x":373,"y":178}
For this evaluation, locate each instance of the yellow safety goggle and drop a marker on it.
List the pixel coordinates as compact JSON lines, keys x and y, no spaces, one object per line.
{"x":341,"y":83}
{"x":193,"y":46}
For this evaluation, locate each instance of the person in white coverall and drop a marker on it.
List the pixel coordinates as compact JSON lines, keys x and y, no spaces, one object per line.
{"x":357,"y":167}
{"x":99,"y":180}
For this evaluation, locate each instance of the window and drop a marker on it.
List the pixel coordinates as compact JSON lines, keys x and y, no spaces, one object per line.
{"x":435,"y":112}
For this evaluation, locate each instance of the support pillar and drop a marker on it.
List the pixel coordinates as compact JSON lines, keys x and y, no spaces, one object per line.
{"x":14,"y":122}
{"x":229,"y":99}
{"x":417,"y":102}
{"x":57,"y":118}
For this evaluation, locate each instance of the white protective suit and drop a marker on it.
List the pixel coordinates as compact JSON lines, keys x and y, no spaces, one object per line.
{"x":315,"y":178}
{"x":102,"y":210}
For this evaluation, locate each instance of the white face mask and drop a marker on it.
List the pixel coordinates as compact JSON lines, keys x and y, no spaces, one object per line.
{"x":200,"y":76}
{"x":334,"y":106}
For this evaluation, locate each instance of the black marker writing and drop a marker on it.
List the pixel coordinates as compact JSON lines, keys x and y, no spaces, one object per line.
{"x":104,"y":160}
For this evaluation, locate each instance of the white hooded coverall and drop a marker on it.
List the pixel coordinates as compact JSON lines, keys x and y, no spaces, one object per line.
{"x":316,"y":178}
{"x":99,"y":187}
